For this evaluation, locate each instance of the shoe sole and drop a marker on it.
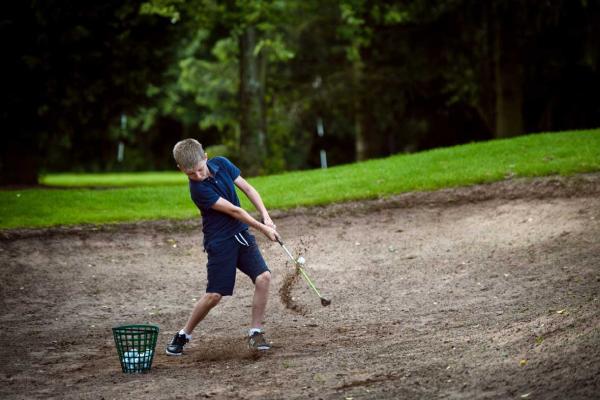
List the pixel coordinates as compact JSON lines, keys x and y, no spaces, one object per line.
{"x":259,"y":348}
{"x":173,"y":354}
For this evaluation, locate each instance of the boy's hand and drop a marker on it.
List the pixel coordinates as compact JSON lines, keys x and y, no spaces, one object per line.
{"x":270,"y":233}
{"x":268,"y":222}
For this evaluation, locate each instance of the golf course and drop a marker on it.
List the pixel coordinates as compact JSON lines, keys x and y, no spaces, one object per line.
{"x":482,"y":283}
{"x":324,"y":200}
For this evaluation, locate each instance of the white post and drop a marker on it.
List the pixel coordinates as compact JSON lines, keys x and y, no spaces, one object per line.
{"x":121,"y":145}
{"x":321,"y":133}
{"x":323,"y":159}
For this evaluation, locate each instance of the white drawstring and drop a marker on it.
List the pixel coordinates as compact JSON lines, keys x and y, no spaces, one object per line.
{"x":244,"y":243}
{"x":242,"y":236}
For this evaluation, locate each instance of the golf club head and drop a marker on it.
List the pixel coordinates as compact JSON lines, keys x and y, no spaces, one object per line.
{"x":325,"y":302}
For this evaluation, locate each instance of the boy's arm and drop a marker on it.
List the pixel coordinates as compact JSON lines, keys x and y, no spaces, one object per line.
{"x":240,"y":214}
{"x":255,"y":198}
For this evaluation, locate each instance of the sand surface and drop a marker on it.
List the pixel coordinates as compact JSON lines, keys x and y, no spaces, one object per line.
{"x":491,"y":291}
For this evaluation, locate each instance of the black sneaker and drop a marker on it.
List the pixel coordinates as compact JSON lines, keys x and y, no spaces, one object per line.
{"x":258,"y":342}
{"x":176,"y":346}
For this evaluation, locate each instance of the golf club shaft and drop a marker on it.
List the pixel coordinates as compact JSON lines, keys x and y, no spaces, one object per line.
{"x":309,"y":281}
{"x":304,"y":275}
{"x":288,"y":252}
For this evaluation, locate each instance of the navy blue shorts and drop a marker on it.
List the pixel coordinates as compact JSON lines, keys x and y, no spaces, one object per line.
{"x":239,"y":251}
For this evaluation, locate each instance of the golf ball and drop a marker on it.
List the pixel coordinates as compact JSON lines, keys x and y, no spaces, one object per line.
{"x":301,"y":260}
{"x":134,"y":359}
{"x":131,"y":358}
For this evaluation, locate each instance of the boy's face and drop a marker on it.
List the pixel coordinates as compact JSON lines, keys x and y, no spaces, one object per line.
{"x":199,"y":173}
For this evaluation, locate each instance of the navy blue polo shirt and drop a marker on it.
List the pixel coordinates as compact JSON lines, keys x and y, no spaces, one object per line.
{"x":216,"y":225}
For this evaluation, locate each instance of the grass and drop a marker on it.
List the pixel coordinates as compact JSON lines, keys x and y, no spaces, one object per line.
{"x":165,"y":195}
{"x":117,"y":179}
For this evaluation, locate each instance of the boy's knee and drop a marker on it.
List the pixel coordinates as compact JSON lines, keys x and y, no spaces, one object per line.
{"x":213,"y":298}
{"x":263,"y":279}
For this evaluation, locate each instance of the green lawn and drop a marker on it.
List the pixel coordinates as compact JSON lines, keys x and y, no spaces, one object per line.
{"x":117,"y":179}
{"x":165,"y":194}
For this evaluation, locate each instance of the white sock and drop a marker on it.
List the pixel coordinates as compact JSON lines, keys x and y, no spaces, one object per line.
{"x":253,"y":331}
{"x":188,"y":337}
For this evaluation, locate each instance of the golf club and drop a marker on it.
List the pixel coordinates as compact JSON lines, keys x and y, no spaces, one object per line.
{"x":299,"y":262}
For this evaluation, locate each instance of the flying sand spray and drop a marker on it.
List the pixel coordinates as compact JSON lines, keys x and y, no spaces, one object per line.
{"x":299,"y":263}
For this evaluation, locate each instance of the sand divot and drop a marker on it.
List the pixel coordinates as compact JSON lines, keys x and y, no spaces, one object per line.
{"x":285,"y":292}
{"x":291,"y":277}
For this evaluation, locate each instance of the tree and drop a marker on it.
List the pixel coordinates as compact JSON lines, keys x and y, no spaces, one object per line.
{"x":254,"y":77}
{"x":394,"y":76}
{"x":74,"y":69}
{"x":253,"y":25}
{"x":498,"y":53}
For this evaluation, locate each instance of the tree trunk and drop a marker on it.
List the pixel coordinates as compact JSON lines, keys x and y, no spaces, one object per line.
{"x":18,"y":163}
{"x":253,"y":121}
{"x":508,"y":73}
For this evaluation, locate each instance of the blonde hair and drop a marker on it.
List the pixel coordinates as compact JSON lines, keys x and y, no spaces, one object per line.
{"x":188,"y":153}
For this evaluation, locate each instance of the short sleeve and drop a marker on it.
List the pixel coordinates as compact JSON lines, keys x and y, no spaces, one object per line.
{"x":231,"y":169}
{"x":204,"y":196}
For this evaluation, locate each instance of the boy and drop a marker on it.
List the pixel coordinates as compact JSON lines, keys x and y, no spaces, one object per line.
{"x":226,"y":238}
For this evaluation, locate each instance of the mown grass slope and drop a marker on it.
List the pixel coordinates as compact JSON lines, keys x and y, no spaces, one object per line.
{"x":143,"y":196}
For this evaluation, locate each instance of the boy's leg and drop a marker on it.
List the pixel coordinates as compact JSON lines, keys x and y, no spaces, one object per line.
{"x":259,"y":301}
{"x":201,"y":309}
{"x":221,"y":267}
{"x":252,"y":264}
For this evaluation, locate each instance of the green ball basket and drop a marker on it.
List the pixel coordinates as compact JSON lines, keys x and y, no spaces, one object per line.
{"x":135,"y":346}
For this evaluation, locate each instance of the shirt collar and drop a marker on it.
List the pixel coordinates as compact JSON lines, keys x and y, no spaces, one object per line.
{"x":213,"y":166}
